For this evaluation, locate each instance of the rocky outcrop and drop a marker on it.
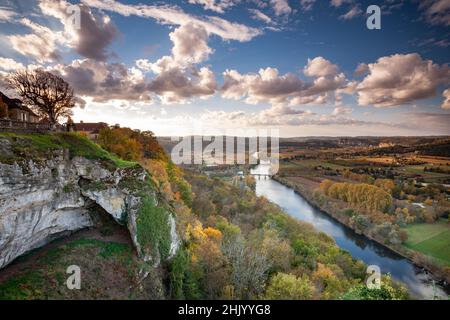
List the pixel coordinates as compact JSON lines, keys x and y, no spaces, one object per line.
{"x":45,"y":199}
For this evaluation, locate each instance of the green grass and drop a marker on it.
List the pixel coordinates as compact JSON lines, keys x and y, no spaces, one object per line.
{"x":306,"y":167}
{"x":432,"y":240}
{"x":47,"y":278}
{"x":36,"y":146}
{"x":23,"y":287}
{"x":431,"y":177}
{"x":153,"y":230}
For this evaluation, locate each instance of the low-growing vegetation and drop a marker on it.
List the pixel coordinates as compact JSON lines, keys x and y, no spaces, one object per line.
{"x":38,"y":146}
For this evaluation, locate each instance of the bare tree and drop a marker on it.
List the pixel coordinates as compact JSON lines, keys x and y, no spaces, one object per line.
{"x":47,"y":94}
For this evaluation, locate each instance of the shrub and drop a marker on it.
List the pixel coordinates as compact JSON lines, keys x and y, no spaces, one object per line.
{"x":153,"y":229}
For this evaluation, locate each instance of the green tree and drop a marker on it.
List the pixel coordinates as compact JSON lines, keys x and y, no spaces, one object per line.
{"x":289,"y":287}
{"x":388,"y":291}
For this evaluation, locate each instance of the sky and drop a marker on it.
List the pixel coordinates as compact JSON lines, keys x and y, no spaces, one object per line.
{"x":302,"y":67}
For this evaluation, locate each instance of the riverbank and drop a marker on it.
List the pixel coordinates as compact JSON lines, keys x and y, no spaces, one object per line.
{"x":416,"y":258}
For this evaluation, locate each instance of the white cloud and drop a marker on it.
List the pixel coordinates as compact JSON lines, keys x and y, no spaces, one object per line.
{"x":104,"y":81}
{"x":446,"y":103}
{"x":44,"y":44}
{"x":41,"y":45}
{"x":280,"y":7}
{"x":6,"y":14}
{"x":173,"y":15}
{"x":258,"y":15}
{"x":8,"y":64}
{"x":218,"y":6}
{"x":361,"y":69}
{"x":270,"y":87}
{"x":320,"y":67}
{"x":341,"y":110}
{"x":177,"y":78}
{"x":94,"y":35}
{"x":400,"y":79}
{"x":190,"y":44}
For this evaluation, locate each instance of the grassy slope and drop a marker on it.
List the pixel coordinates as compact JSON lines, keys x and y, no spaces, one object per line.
{"x":431,"y":239}
{"x":37,"y":146}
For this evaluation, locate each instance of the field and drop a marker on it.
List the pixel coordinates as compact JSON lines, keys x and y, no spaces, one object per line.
{"x":431,"y":239}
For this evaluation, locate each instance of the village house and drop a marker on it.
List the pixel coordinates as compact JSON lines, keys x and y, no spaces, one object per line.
{"x":13,"y":109}
{"x":91,"y":130}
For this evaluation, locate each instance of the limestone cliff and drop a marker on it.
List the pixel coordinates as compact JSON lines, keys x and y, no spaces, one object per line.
{"x":47,"y":190}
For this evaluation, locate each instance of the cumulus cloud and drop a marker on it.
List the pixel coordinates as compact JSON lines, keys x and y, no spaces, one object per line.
{"x":44,"y":44}
{"x":361,"y":70}
{"x":218,"y":6}
{"x":8,"y":64}
{"x":177,"y":77}
{"x":173,"y":15}
{"x":312,"y":100}
{"x":320,"y":67}
{"x":41,"y":45}
{"x":400,"y":79}
{"x":280,"y":7}
{"x":280,"y":110}
{"x":446,"y":103}
{"x":190,"y":44}
{"x":95,"y":34}
{"x":269,"y":86}
{"x":104,"y":81}
{"x":436,"y":12}
{"x":176,"y":85}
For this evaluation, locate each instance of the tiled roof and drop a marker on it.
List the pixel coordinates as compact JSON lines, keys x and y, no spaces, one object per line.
{"x":15,"y":104}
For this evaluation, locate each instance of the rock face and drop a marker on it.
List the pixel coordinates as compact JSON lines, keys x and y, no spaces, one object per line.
{"x":45,"y":199}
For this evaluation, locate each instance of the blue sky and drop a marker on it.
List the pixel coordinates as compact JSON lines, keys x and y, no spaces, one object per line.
{"x":195,"y":66}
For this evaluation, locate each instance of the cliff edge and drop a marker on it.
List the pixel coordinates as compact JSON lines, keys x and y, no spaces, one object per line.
{"x":49,"y":184}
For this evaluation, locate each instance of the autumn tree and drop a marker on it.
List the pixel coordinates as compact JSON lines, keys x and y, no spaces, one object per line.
{"x":117,"y":141}
{"x":47,"y":94}
{"x":387,"y":185}
{"x":289,"y":287}
{"x":361,"y":195}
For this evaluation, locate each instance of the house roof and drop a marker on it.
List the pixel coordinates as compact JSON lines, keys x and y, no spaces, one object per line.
{"x":15,"y":104}
{"x":93,"y":127}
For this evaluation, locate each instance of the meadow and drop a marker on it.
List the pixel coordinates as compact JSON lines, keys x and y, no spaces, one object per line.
{"x":432,"y":240}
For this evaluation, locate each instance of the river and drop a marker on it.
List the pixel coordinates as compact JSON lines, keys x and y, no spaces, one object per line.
{"x":418,"y":282}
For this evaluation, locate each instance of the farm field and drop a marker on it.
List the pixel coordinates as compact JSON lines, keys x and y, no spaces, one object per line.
{"x":430,"y":239}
